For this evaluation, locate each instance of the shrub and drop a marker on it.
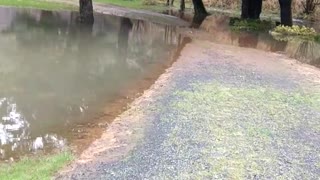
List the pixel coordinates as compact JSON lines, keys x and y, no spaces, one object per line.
{"x":250,"y":25}
{"x":295,"y":30}
{"x":285,"y":33}
{"x":317,"y":38}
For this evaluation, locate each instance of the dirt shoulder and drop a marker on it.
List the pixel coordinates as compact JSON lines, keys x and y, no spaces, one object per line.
{"x":218,"y":112}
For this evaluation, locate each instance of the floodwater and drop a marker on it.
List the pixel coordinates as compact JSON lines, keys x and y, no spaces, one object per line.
{"x":56,"y":74}
{"x":217,"y":29}
{"x":57,"y":77}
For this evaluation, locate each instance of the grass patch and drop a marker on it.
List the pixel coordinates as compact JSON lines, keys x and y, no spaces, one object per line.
{"x":38,"y":4}
{"x":35,"y":168}
{"x":241,"y":131}
{"x":125,"y":3}
{"x":250,"y":25}
{"x":135,"y":4}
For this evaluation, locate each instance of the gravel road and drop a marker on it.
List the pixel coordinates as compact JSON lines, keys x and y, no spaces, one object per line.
{"x":220,"y":112}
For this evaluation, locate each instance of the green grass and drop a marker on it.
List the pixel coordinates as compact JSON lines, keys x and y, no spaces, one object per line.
{"x":35,"y":168}
{"x":135,"y":4}
{"x":241,"y":130}
{"x":125,"y":3}
{"x":250,"y":25}
{"x":47,"y":5}
{"x":38,"y":4}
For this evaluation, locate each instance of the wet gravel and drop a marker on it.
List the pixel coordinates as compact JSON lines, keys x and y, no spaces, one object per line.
{"x":217,"y":118}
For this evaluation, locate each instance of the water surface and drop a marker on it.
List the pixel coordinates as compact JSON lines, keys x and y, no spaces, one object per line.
{"x":55,"y":73}
{"x":219,"y":31}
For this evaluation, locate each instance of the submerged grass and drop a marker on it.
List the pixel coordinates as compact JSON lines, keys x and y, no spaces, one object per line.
{"x":39,"y":4}
{"x":41,"y":168}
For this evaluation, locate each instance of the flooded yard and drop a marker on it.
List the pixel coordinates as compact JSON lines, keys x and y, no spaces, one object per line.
{"x":56,"y":75}
{"x":58,"y":78}
{"x":216,"y":28}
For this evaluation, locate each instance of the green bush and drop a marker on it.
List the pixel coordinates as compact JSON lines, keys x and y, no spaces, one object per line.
{"x":294,"y":31}
{"x":317,"y":38}
{"x":286,"y":33}
{"x":250,"y":25}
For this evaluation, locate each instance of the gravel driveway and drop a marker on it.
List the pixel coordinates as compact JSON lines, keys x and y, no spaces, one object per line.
{"x":220,"y":112}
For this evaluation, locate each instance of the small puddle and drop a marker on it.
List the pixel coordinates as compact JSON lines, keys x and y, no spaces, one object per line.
{"x":61,"y":84}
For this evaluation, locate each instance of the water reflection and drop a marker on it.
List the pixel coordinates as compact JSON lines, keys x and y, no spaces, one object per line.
{"x":55,"y":73}
{"x":218,"y":27}
{"x":123,"y":38}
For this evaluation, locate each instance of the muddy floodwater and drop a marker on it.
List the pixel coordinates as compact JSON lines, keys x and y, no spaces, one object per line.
{"x":58,"y":77}
{"x":216,"y":28}
{"x":56,"y":74}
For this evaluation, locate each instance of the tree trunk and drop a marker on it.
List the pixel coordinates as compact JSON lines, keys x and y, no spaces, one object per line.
{"x":251,"y":9}
{"x":86,"y":11}
{"x":286,"y":12}
{"x":199,"y":9}
{"x":245,"y":9}
{"x":256,"y":9}
{"x":197,"y":21}
{"x":182,"y":5}
{"x":172,"y":1}
{"x":168,"y":2}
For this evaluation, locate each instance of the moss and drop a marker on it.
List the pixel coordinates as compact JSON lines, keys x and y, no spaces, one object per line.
{"x":250,"y":25}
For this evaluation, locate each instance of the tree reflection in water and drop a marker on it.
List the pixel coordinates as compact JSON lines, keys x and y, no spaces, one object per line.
{"x":56,"y":73}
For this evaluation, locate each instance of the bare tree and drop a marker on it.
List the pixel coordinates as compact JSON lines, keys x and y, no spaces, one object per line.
{"x":182,"y":4}
{"x":309,"y":6}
